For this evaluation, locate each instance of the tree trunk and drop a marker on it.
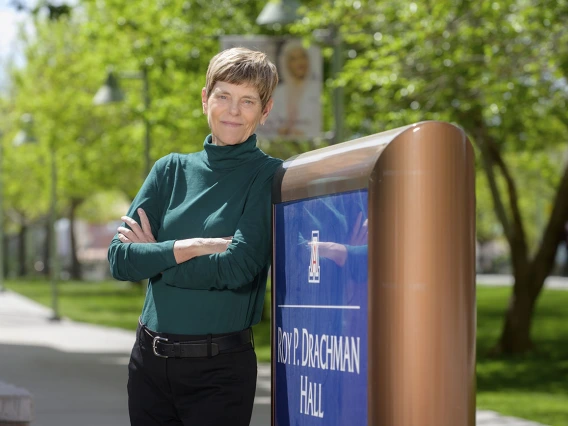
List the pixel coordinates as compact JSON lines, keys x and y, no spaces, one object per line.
{"x":516,"y":334}
{"x":75,"y":264}
{"x":22,"y":249}
{"x":5,"y":256}
{"x":46,"y":248}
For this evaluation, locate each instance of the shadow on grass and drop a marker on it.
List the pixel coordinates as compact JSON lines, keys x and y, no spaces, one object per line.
{"x":532,"y":374}
{"x":546,"y":368}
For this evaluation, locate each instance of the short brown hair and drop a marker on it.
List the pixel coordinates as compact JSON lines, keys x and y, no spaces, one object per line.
{"x":240,"y":65}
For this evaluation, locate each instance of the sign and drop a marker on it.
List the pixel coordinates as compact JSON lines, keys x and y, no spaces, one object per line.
{"x":297,"y":110}
{"x":320,"y":317}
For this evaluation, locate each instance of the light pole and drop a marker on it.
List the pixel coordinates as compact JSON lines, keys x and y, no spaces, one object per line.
{"x":282,"y":12}
{"x":26,"y":136}
{"x":110,"y":92}
{"x":333,"y":37}
{"x":1,"y":216}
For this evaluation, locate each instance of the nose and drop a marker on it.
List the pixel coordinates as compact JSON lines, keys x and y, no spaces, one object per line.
{"x":234,"y":108}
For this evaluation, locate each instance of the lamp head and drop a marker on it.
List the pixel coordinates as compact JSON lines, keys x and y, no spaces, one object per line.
{"x":278,"y":12}
{"x":110,"y":92}
{"x":26,"y":134}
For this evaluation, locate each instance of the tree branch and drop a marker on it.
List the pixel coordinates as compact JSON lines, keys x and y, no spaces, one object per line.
{"x":479,"y":136}
{"x":518,"y":228}
{"x":487,"y":163}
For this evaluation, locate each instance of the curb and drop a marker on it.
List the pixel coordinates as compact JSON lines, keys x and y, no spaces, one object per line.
{"x":16,"y":406}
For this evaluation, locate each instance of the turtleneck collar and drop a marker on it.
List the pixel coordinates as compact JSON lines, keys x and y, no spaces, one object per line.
{"x":231,"y":156}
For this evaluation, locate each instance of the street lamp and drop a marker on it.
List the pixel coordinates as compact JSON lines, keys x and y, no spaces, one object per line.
{"x":23,"y":137}
{"x":278,"y":12}
{"x":110,"y":93}
{"x":285,"y":12}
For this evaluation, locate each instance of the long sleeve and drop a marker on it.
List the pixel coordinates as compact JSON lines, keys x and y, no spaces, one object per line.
{"x":246,"y":256}
{"x":134,"y":262}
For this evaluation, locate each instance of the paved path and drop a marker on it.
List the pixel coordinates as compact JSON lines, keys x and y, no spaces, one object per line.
{"x":77,"y":372}
{"x":554,"y":283}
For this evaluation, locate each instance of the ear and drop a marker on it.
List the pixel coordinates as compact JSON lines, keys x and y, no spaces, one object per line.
{"x":267,"y":110}
{"x":204,"y":100}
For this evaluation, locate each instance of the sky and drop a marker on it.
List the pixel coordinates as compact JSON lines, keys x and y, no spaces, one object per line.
{"x":10,"y":20}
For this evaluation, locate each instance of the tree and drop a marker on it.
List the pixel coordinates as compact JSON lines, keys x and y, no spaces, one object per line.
{"x":498,"y":69}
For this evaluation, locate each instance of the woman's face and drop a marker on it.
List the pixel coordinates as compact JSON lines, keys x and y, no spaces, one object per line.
{"x":298,"y":63}
{"x":233,"y":112}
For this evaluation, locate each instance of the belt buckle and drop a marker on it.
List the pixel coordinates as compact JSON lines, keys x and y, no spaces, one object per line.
{"x":155,"y":344}
{"x":214,"y":349}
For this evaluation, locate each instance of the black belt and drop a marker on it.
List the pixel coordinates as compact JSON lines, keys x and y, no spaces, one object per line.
{"x":208,"y":347}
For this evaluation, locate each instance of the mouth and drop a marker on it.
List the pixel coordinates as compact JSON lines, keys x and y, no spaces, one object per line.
{"x":230,"y":124}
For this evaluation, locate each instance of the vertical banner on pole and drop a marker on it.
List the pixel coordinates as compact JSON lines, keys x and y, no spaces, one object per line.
{"x":297,"y":111}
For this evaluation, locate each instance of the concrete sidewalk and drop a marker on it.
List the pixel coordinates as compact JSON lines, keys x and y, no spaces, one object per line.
{"x":77,"y":372}
{"x":498,"y":280}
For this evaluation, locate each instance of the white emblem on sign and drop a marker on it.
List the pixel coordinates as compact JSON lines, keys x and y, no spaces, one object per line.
{"x":314,"y":269}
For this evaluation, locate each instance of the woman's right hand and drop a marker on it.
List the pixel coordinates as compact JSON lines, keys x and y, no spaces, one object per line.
{"x":185,"y":250}
{"x":136,"y":233}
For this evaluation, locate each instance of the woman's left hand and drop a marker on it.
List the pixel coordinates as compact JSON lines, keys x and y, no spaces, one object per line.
{"x":136,"y":234}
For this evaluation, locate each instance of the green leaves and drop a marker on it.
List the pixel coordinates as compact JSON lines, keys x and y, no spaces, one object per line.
{"x":500,"y":65}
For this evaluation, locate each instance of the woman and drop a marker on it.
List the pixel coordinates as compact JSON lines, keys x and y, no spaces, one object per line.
{"x":200,"y":230}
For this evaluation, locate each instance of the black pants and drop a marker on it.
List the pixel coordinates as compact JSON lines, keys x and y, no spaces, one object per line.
{"x":216,"y":391}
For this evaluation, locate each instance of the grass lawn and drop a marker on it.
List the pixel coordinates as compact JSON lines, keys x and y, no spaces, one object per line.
{"x":533,"y":387}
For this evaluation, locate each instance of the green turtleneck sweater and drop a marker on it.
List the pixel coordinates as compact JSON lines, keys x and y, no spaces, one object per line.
{"x":218,"y":192}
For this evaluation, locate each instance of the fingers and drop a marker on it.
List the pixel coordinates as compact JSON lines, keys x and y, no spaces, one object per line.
{"x":355,"y":231}
{"x":364,"y":229}
{"x":362,"y":234}
{"x":358,"y":221}
{"x":360,"y":231}
{"x":122,"y":238}
{"x":128,"y":234}
{"x":136,"y":234}
{"x":133,"y":226}
{"x":146,"y":228}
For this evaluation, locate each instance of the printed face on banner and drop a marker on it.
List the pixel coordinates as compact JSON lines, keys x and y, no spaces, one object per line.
{"x":297,"y":111}
{"x":320,"y":331}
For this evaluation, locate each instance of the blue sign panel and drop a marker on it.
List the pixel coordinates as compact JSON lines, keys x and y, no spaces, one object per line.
{"x":320,"y":319}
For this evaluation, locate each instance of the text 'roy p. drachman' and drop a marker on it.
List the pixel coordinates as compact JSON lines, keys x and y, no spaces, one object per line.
{"x":325,"y":351}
